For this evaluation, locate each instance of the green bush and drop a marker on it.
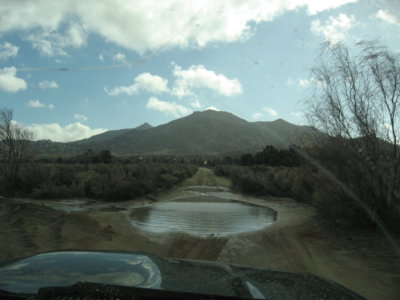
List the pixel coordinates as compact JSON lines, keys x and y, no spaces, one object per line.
{"x":257,"y":180}
{"x":108,"y":181}
{"x":337,"y":207}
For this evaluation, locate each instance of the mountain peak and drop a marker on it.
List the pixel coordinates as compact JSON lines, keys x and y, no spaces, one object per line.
{"x":144,"y":126}
{"x":280,"y":121}
{"x":213,"y":112}
{"x":276,"y":122}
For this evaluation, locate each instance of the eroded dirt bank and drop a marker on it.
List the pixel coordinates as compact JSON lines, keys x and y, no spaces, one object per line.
{"x":361,"y":261}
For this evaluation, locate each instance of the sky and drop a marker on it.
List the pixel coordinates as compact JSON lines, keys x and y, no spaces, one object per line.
{"x":70,"y":69}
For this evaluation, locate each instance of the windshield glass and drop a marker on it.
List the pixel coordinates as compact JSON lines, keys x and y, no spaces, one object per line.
{"x":257,"y":133}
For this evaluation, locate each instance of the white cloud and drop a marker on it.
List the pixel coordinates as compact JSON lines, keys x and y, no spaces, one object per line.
{"x":387,"y":17}
{"x":297,"y":114}
{"x":9,"y":82}
{"x":145,"y":25}
{"x":80,"y":117}
{"x":212,"y":108}
{"x":272,"y":112}
{"x":68,"y":133}
{"x":46,"y":84}
{"x":151,"y":83}
{"x":120,"y":57}
{"x":391,"y":6}
{"x":256,"y":116}
{"x":335,"y":29}
{"x":35,"y":104}
{"x":186,"y":81}
{"x":168,"y":108}
{"x":101,"y":57}
{"x":195,"y":104}
{"x":38,"y":104}
{"x":51,"y":43}
{"x":304,"y":82}
{"x":388,"y":126}
{"x":317,"y":6}
{"x":301,"y":82}
{"x":197,"y":76}
{"x":145,"y":81}
{"x":8,"y":50}
{"x":75,"y":35}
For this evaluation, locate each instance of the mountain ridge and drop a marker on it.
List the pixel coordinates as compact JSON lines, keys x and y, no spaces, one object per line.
{"x":206,"y":132}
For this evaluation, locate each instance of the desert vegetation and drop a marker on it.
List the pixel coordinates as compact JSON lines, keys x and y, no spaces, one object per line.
{"x":112,"y":181}
{"x":355,"y":101}
{"x":93,"y":174}
{"x":352,"y":173}
{"x":14,"y":142}
{"x":304,"y":183}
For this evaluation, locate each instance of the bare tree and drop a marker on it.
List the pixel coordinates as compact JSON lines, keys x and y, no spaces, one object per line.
{"x":14,"y":142}
{"x":355,"y":101}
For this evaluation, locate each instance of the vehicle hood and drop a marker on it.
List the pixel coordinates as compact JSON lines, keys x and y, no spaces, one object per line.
{"x":65,"y":268}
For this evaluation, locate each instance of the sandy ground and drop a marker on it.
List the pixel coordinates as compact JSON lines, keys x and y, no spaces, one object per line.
{"x":362,"y":261}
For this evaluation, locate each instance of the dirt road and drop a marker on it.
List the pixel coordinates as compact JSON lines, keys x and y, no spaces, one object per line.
{"x":361,"y":261}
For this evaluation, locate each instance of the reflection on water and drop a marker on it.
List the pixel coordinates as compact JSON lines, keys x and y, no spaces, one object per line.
{"x":202,"y":216}
{"x":67,"y":268}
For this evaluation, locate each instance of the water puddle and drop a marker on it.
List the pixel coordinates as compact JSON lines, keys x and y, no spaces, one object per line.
{"x":198,"y":210}
{"x":207,"y":212}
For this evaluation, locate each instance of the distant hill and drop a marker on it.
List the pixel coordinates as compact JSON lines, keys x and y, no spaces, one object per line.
{"x":286,"y":133}
{"x":207,"y":132}
{"x":108,"y":135}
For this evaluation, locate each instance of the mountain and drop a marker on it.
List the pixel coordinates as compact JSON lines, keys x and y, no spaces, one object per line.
{"x":144,"y":126}
{"x":207,"y":132}
{"x":200,"y":132}
{"x":108,"y":135}
{"x":285,"y":133}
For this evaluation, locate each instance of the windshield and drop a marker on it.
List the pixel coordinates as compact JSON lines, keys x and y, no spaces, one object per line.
{"x":255,"y":133}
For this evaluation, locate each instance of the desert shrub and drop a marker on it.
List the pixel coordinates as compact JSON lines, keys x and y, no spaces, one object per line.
{"x":336,"y":207}
{"x":283,"y":179}
{"x":343,"y":198}
{"x":302,"y":188}
{"x":257,"y":180}
{"x":222,"y":170}
{"x":30,"y":177}
{"x":108,"y":181}
{"x":52,"y":190}
{"x":296,"y":182}
{"x":246,"y":182}
{"x":271,"y":156}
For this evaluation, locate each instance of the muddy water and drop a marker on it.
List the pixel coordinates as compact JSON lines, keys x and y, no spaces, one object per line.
{"x":197,"y":210}
{"x":203,"y":211}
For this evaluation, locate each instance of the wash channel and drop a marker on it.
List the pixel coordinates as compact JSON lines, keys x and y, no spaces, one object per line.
{"x":203,"y":211}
